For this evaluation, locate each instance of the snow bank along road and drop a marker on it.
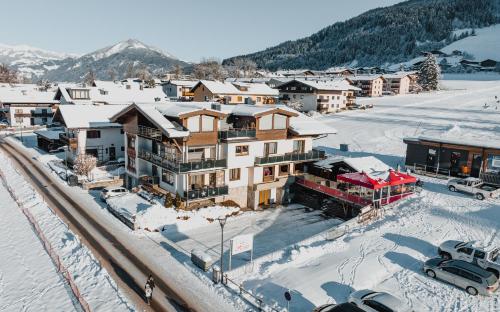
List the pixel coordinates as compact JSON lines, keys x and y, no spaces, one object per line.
{"x":119,"y":254}
{"x":28,"y":279}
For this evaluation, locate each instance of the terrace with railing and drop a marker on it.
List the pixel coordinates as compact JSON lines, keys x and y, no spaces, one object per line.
{"x":207,"y":192}
{"x":313,"y":155}
{"x":236,"y":133}
{"x":181,"y":167}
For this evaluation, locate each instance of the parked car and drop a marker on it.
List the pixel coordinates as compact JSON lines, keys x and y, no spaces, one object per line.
{"x":474,"y":186}
{"x":342,"y":307}
{"x":57,"y":150}
{"x":373,"y":301}
{"x":113,"y":191}
{"x":473,"y":279}
{"x":467,"y":251}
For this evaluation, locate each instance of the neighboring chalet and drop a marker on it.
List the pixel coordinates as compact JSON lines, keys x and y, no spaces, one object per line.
{"x":321,"y":95}
{"x":339,"y":72}
{"x":209,"y":152}
{"x":234,"y":93}
{"x":26,"y":106}
{"x":455,"y":157}
{"x":292,"y":73}
{"x":397,"y":83}
{"x":179,"y":89}
{"x":88,"y":129}
{"x":369,"y":85}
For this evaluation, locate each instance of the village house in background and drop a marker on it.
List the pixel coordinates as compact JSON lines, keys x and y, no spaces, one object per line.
{"x":324,"y":96}
{"x":88,"y":129}
{"x":25,"y":105}
{"x":369,"y":85}
{"x":179,"y":90}
{"x":208,"y":152}
{"x":234,"y":93}
{"x":397,"y":83}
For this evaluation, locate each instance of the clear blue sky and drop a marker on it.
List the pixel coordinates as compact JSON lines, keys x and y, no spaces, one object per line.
{"x":189,"y":29}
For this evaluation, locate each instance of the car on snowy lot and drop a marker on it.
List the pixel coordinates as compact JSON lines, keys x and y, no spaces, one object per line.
{"x":474,"y":186}
{"x":112,"y":191}
{"x":373,"y":301}
{"x":465,"y":275}
{"x":469,"y":252}
{"x":342,"y":307}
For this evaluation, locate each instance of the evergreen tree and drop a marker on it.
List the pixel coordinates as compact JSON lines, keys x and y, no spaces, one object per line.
{"x":429,"y":73}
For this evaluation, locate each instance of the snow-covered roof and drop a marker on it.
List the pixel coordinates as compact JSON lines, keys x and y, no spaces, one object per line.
{"x":364,"y":77}
{"x":370,"y":165}
{"x":397,"y":75}
{"x":89,"y":116}
{"x":21,"y":94}
{"x":338,"y":84}
{"x":114,"y":92}
{"x":220,"y":87}
{"x":184,"y":83}
{"x":49,"y":134}
{"x":256,"y":89}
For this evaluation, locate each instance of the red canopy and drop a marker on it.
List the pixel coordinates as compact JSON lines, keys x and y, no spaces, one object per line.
{"x":362,"y":179}
{"x":397,"y":178}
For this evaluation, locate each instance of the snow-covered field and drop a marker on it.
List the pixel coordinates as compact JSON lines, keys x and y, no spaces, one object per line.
{"x":28,"y":278}
{"x":388,"y":254}
{"x":93,"y":282}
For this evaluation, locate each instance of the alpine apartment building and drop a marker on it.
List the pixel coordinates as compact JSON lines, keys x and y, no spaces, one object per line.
{"x":211,"y":152}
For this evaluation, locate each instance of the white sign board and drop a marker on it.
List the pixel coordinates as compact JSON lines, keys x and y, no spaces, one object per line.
{"x":241,"y":243}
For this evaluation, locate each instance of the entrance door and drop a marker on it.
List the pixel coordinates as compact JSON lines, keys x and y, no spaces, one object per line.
{"x":264,"y":197}
{"x":477,"y":161}
{"x":112,"y":153}
{"x":431,"y":159}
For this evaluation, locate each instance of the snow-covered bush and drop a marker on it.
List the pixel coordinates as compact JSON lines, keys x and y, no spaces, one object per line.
{"x":84,"y":164}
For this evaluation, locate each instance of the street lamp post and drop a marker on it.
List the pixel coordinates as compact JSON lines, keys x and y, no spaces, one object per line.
{"x":222,"y":222}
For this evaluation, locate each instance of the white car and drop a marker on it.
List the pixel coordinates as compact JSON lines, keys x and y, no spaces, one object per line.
{"x":373,"y":301}
{"x":113,"y":191}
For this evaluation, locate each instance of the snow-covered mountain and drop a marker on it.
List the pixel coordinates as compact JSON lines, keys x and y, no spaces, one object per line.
{"x":485,"y":44}
{"x":119,"y":58}
{"x":30,"y":60}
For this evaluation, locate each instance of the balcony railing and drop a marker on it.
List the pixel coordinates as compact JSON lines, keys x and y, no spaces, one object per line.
{"x":181,"y":167}
{"x":237,"y":133}
{"x":42,"y":115}
{"x":152,"y":133}
{"x":206,"y":192}
{"x":291,"y":157}
{"x":320,"y":100}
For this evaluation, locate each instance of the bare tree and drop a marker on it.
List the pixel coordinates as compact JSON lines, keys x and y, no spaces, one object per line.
{"x":143,"y":73}
{"x":43,"y":84}
{"x":129,"y":73}
{"x":8,"y":75}
{"x":89,"y":77}
{"x":178,"y":72}
{"x":84,"y":164}
{"x":245,"y":67}
{"x":112,"y":74}
{"x":209,"y":69}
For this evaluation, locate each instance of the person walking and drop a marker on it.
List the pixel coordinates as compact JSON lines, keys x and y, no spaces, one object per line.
{"x":148,"y":289}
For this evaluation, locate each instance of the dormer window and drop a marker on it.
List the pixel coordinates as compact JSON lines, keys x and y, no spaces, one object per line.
{"x":103,"y":92}
{"x":80,"y":94}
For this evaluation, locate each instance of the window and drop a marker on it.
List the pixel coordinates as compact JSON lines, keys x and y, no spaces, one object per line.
{"x":207,"y":123}
{"x":131,"y":163}
{"x":122,"y":148}
{"x":93,"y":134}
{"x":121,"y":131}
{"x":259,"y":99}
{"x":130,"y":141}
{"x":465,"y":250}
{"x":241,"y":150}
{"x":283,"y":170}
{"x":279,"y":121}
{"x":299,"y":146}
{"x":451,"y":270}
{"x":193,"y":124}
{"x":470,"y":276}
{"x":266,"y":122}
{"x":19,"y":111}
{"x":479,"y":254}
{"x":239,"y":98}
{"x":270,"y":148}
{"x":234,"y":174}
{"x":167,"y":177}
{"x":268,"y":173}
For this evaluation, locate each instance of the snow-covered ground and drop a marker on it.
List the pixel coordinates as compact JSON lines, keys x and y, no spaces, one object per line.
{"x":484,"y":45}
{"x":93,"y":282}
{"x":28,"y":278}
{"x":388,"y":254}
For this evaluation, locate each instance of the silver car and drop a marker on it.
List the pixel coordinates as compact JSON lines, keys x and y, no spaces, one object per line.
{"x":112,"y":191}
{"x":473,"y":279}
{"x":373,"y":301}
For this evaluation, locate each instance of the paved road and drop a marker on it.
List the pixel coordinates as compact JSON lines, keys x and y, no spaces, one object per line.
{"x":119,"y":256}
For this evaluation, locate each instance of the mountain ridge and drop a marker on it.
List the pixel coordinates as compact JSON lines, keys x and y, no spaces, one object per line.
{"x":379,"y":36}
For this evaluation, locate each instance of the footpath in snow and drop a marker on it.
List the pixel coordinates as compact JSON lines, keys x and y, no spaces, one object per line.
{"x":28,"y":278}
{"x":93,"y":282}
